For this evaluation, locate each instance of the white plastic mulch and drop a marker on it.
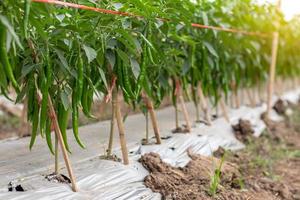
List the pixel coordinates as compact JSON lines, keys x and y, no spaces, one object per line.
{"x":106,"y":180}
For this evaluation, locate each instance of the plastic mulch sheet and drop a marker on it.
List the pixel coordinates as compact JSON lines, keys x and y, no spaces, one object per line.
{"x":106,"y":180}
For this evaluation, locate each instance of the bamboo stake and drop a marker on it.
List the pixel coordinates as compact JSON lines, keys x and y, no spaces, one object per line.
{"x":242,"y":96}
{"x":224,"y":109}
{"x":185,"y":113}
{"x":62,"y":145}
{"x":112,"y":129}
{"x":120,"y":127}
{"x":273,"y":66}
{"x":236,"y":97}
{"x":150,"y":107}
{"x":255,"y":99}
{"x":250,"y":98}
{"x":196,"y":100}
{"x":260,"y":93}
{"x":231,"y":103}
{"x":204,"y":105}
{"x":272,"y":71}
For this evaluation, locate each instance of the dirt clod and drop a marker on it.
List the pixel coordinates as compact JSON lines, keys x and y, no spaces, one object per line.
{"x":243,"y":130}
{"x":219,"y":153}
{"x":180,"y":130}
{"x":280,"y":107}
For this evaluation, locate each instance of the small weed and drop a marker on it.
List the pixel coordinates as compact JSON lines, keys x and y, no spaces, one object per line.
{"x":216,"y":178}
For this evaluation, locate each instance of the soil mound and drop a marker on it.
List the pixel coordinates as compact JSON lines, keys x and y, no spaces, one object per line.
{"x":243,"y":130}
{"x":280,"y":107}
{"x":219,"y":153}
{"x":190,"y":182}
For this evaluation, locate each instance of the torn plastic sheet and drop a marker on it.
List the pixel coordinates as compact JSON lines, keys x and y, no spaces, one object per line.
{"x":100,"y":179}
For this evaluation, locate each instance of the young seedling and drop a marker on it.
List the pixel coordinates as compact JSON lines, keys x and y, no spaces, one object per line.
{"x":216,"y":178}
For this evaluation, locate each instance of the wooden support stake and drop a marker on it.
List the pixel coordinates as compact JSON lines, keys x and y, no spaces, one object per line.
{"x":150,"y":107}
{"x":120,"y":127}
{"x":273,"y":65}
{"x":62,"y":145}
{"x":185,"y":113}
{"x":250,"y":97}
{"x":204,"y":105}
{"x":224,"y":109}
{"x":236,"y":97}
{"x":272,"y":71}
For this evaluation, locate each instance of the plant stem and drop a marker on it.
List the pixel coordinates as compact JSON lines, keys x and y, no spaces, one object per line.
{"x":176,"y":116}
{"x":24,"y":124}
{"x":197,"y":111}
{"x":112,"y":128}
{"x":147,"y":127}
{"x":56,"y":156}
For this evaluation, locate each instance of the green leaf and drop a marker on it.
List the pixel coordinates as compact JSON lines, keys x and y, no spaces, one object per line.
{"x":10,"y":29}
{"x":110,"y":56}
{"x":135,"y":67}
{"x":103,"y":78}
{"x":123,"y":56}
{"x":90,"y":53}
{"x":65,"y":100}
{"x":211,"y":49}
{"x":62,"y":59}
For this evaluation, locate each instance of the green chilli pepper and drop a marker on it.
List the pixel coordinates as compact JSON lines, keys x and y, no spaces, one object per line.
{"x":48,"y":135}
{"x":4,"y":59}
{"x":75,"y":119}
{"x":26,"y":16}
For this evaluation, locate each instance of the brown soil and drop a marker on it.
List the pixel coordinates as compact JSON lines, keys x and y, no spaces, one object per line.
{"x":280,"y":107}
{"x":219,"y":153}
{"x":268,"y":168}
{"x":180,"y":130}
{"x":243,"y":130}
{"x":58,"y":178}
{"x":190,"y":182}
{"x":112,"y":157}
